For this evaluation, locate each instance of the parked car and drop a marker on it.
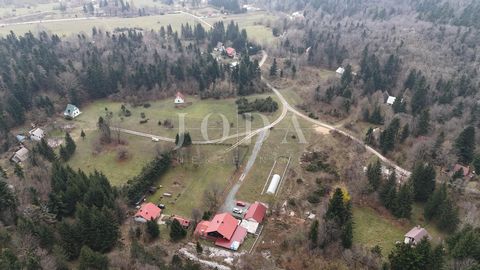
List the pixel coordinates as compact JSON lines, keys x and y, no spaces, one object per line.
{"x":242,"y":204}
{"x":161,"y":206}
{"x":237,"y":211}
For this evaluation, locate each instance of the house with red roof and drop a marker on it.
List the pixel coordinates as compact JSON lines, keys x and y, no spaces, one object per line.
{"x":183,"y":221}
{"x":256,"y":212}
{"x":147,"y":211}
{"x":231,"y":52}
{"x":179,"y":98}
{"x":222,"y":226}
{"x":223,"y":229}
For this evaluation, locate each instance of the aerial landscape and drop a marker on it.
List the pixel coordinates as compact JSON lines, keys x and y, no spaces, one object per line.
{"x":239,"y":134}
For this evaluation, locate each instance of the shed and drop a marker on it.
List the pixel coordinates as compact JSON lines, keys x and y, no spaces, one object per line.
{"x":250,"y":226}
{"x":231,"y":52}
{"x":36,"y":134}
{"x":415,"y":235}
{"x":183,"y":221}
{"x":256,"y":212}
{"x":20,"y":156}
{"x":272,"y":188}
{"x":340,"y":71}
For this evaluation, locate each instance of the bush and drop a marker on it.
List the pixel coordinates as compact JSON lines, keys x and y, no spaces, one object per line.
{"x":146,"y":105}
{"x":144,"y":121}
{"x":142,"y":115}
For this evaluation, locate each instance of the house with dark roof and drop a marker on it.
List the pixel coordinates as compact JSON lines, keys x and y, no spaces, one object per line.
{"x":415,"y":235}
{"x":71,"y":111}
{"x":147,"y":211}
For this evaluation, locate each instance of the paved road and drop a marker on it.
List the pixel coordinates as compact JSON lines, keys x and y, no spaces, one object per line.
{"x":51,"y":21}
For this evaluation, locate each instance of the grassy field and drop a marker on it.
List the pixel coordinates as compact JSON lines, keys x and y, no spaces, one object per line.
{"x":256,"y":24}
{"x":279,"y":143}
{"x":372,"y":229}
{"x":206,"y":166}
{"x":141,"y":151}
{"x":164,"y":109}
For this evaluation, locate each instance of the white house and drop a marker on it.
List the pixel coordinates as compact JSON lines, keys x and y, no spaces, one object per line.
{"x":179,"y":98}
{"x":71,"y":111}
{"x":340,"y":71}
{"x":391,"y":100}
{"x":36,"y":134}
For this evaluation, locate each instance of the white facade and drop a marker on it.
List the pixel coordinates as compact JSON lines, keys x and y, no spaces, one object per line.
{"x":72,"y":111}
{"x":179,"y":100}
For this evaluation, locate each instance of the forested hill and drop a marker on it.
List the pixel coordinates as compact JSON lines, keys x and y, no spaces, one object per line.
{"x":40,"y":75}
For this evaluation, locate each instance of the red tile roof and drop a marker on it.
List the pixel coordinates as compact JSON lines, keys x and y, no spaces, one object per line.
{"x":256,"y":212}
{"x":224,"y":224}
{"x":180,"y":95}
{"x":234,"y":242}
{"x":183,"y":221}
{"x":202,"y":227}
{"x":465,"y":170}
{"x":230,"y":50}
{"x":148,"y":211}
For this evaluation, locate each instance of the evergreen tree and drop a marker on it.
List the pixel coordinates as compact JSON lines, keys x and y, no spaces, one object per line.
{"x":46,"y":151}
{"x":82,"y":134}
{"x":376,"y":116}
{"x":403,"y":204}
{"x":465,"y":144}
{"x":313,"y":234}
{"x":476,"y":162}
{"x":388,"y":192}
{"x":8,"y":203}
{"x":423,"y":125}
{"x":369,"y":138}
{"x":374,"y":174}
{"x":399,"y":106}
{"x":91,"y":260}
{"x":70,"y":145}
{"x":152,"y":229}
{"x":18,"y":171}
{"x":423,"y":181}
{"x":199,"y":247}
{"x":63,"y":153}
{"x":340,"y":213}
{"x":405,"y":133}
{"x":8,"y":260}
{"x":465,"y":245}
{"x":177,"y":232}
{"x":273,"y":68}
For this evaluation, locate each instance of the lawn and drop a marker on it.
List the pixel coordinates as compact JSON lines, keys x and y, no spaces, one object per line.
{"x":371,"y":229}
{"x":141,"y":151}
{"x":164,"y":109}
{"x":205,"y":166}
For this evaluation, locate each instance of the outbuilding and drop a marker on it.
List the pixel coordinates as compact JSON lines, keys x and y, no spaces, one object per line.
{"x":256,"y":212}
{"x":340,"y":71}
{"x":272,"y":188}
{"x":416,"y":235}
{"x":20,"y":156}
{"x":36,"y":134}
